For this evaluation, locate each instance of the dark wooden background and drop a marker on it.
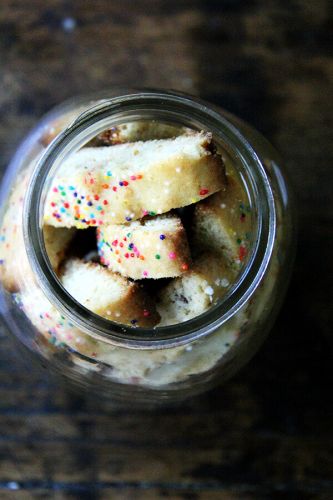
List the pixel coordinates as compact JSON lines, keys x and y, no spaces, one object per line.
{"x":268,"y":433}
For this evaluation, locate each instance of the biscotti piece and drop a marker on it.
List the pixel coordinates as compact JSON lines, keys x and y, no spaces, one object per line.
{"x":141,"y":130}
{"x":194,"y":292}
{"x":108,"y":294}
{"x":153,"y":248}
{"x":222,"y":223}
{"x":122,"y":183}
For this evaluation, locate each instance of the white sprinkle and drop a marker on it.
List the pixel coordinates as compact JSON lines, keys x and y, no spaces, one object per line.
{"x":178,"y":169}
{"x":117,"y":314}
{"x":189,"y":348}
{"x":223,"y":205}
{"x":166,"y":183}
{"x":108,"y":313}
{"x":68,"y":24}
{"x":167,"y":191}
{"x":225,"y":282}
{"x":209,"y":290}
{"x":113,"y":214}
{"x":132,"y":215}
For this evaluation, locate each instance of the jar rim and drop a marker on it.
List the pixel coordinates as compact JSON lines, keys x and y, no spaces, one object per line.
{"x":128,"y":107}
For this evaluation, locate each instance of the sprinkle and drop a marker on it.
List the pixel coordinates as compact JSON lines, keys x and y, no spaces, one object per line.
{"x":96,"y":197}
{"x":184,"y":267}
{"x":145,"y":273}
{"x":242,"y":252}
{"x":209,"y":290}
{"x":162,"y":236}
{"x":66,"y":205}
{"x":133,"y":178}
{"x":223,"y":205}
{"x":242,"y":217}
{"x":142,"y":257}
{"x":128,"y":219}
{"x":203,"y":191}
{"x":146,"y":313}
{"x":105,"y":186}
{"x":114,"y":188}
{"x":157,"y":256}
{"x":109,"y":173}
{"x":105,"y":202}
{"x":90,"y":203}
{"x":172,"y":255}
{"x":178,"y":169}
{"x":134,"y":321}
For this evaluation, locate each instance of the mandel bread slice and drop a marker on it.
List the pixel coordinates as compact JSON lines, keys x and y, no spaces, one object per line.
{"x":222,"y":223}
{"x":195,"y":291}
{"x":108,"y":294}
{"x":118,"y":184}
{"x":150,"y":248}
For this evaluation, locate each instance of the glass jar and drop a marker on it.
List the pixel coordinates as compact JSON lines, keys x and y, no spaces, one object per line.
{"x":122,"y":363}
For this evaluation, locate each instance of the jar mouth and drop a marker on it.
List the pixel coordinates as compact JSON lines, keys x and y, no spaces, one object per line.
{"x":167,"y":107}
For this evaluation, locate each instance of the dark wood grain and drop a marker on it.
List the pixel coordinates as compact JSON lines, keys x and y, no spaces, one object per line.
{"x":268,"y":433}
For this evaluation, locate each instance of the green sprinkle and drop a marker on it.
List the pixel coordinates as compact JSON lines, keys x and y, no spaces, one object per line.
{"x":157,"y":256}
{"x":239,"y":241}
{"x":152,"y":213}
{"x":129,"y":235}
{"x":63,"y":193}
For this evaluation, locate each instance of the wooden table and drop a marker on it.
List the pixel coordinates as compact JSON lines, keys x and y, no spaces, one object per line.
{"x":268,"y":433}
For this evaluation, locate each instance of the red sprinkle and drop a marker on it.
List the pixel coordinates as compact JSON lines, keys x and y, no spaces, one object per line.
{"x":115,"y":243}
{"x":105,"y":202}
{"x":96,"y":197}
{"x":242,"y":252}
{"x":203,"y":191}
{"x":114,"y":188}
{"x":184,"y":267}
{"x":66,"y":205}
{"x":146,"y":313}
{"x":125,"y":183}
